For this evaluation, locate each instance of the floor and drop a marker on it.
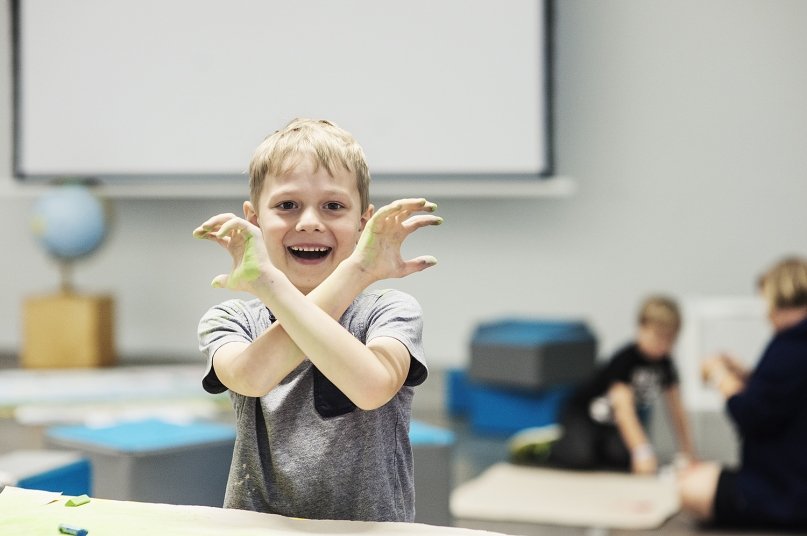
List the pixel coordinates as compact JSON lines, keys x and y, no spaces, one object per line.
{"x":473,"y":453}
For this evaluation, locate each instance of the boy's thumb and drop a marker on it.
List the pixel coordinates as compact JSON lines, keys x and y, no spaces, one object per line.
{"x":220,"y":281}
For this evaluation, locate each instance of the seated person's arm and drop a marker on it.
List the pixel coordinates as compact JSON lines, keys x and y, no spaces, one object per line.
{"x":736,"y":367}
{"x":680,"y":422}
{"x":724,"y":374}
{"x":643,"y":459}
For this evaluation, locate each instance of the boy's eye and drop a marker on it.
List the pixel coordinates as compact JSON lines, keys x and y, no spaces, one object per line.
{"x":286,"y":205}
{"x":333,"y":205}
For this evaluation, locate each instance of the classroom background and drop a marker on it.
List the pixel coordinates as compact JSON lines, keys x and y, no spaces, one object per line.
{"x":681,"y":123}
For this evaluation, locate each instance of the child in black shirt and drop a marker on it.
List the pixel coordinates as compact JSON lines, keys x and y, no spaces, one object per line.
{"x":604,"y":423}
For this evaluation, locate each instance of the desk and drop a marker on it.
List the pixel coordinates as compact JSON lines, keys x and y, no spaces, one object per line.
{"x":31,"y":400}
{"x":33,"y":512}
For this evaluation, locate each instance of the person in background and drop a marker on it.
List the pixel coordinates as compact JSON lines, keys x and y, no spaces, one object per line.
{"x":768,"y":406}
{"x":604,"y":423}
{"x":320,"y":368}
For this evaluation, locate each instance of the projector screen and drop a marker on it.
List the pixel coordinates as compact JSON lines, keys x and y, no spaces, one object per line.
{"x":148,"y":89}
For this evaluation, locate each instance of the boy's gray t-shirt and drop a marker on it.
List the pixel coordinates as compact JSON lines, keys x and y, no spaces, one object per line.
{"x":303,"y":450}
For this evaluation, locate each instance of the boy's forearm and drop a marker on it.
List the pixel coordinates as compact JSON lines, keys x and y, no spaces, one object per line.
{"x":311,"y":323}
{"x":274,"y":354}
{"x":335,"y":294}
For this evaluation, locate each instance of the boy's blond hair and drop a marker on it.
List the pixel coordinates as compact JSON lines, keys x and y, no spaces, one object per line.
{"x":784,"y":285}
{"x":660,"y":311}
{"x":330,"y":145}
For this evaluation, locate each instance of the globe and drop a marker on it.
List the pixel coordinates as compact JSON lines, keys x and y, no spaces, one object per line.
{"x":69,"y":222}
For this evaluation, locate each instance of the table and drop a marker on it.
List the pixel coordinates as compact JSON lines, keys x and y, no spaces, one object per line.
{"x":37,"y":512}
{"x":32,"y":400}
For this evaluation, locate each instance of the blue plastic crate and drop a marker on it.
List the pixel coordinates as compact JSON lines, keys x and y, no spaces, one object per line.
{"x":531,"y":332}
{"x":503,"y":412}
{"x":458,"y":392}
{"x":47,"y":470}
{"x":422,"y":434}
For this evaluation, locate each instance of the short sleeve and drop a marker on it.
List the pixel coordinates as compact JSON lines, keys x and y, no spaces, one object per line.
{"x":669,"y":376}
{"x":620,"y":368}
{"x":398,"y":315}
{"x":222,"y":324}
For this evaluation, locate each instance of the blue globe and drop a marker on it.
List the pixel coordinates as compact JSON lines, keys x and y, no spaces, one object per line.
{"x":69,"y":222}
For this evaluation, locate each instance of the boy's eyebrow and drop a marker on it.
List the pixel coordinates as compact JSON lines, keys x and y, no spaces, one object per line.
{"x":287,"y":190}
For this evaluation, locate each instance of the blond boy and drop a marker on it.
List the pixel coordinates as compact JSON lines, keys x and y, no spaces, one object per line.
{"x":320,"y":369}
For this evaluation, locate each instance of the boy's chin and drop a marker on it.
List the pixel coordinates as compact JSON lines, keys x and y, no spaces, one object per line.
{"x":305,"y":289}
{"x":307,"y":284}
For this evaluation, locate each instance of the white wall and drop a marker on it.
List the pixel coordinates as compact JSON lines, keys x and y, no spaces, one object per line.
{"x":683,"y":122}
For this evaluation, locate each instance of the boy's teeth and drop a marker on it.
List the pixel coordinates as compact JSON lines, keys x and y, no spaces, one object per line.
{"x":299,"y":248}
{"x":310,"y":252}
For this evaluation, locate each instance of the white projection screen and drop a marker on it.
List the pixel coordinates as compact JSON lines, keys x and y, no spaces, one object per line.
{"x":148,"y":89}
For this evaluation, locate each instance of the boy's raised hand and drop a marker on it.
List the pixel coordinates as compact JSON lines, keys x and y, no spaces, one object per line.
{"x":244,"y":242}
{"x":378,"y":251}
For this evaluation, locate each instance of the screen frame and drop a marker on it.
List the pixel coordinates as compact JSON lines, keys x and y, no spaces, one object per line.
{"x":133,"y":179}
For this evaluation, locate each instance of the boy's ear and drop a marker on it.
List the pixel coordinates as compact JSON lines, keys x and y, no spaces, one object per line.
{"x":250,"y":214}
{"x":366,"y":217}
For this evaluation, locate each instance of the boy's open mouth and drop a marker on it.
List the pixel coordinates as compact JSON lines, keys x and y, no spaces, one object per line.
{"x":309,"y":253}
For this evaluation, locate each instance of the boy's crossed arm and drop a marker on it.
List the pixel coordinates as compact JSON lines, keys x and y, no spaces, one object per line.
{"x":308,"y":324}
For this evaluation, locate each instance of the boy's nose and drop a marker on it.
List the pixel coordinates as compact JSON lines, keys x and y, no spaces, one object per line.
{"x":309,"y":220}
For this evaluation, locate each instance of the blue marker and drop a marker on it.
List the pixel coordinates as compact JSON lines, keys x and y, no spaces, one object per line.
{"x":72,"y":531}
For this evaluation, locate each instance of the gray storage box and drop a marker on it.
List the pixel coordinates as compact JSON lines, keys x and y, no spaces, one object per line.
{"x":432,"y":452}
{"x":532,"y":354}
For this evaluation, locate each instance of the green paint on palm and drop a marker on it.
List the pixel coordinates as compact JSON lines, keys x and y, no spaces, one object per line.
{"x":250,"y":268}
{"x":369,"y":239}
{"x":370,"y":250}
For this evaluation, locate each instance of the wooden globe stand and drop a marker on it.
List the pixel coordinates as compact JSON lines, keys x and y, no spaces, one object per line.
{"x":68,"y":329}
